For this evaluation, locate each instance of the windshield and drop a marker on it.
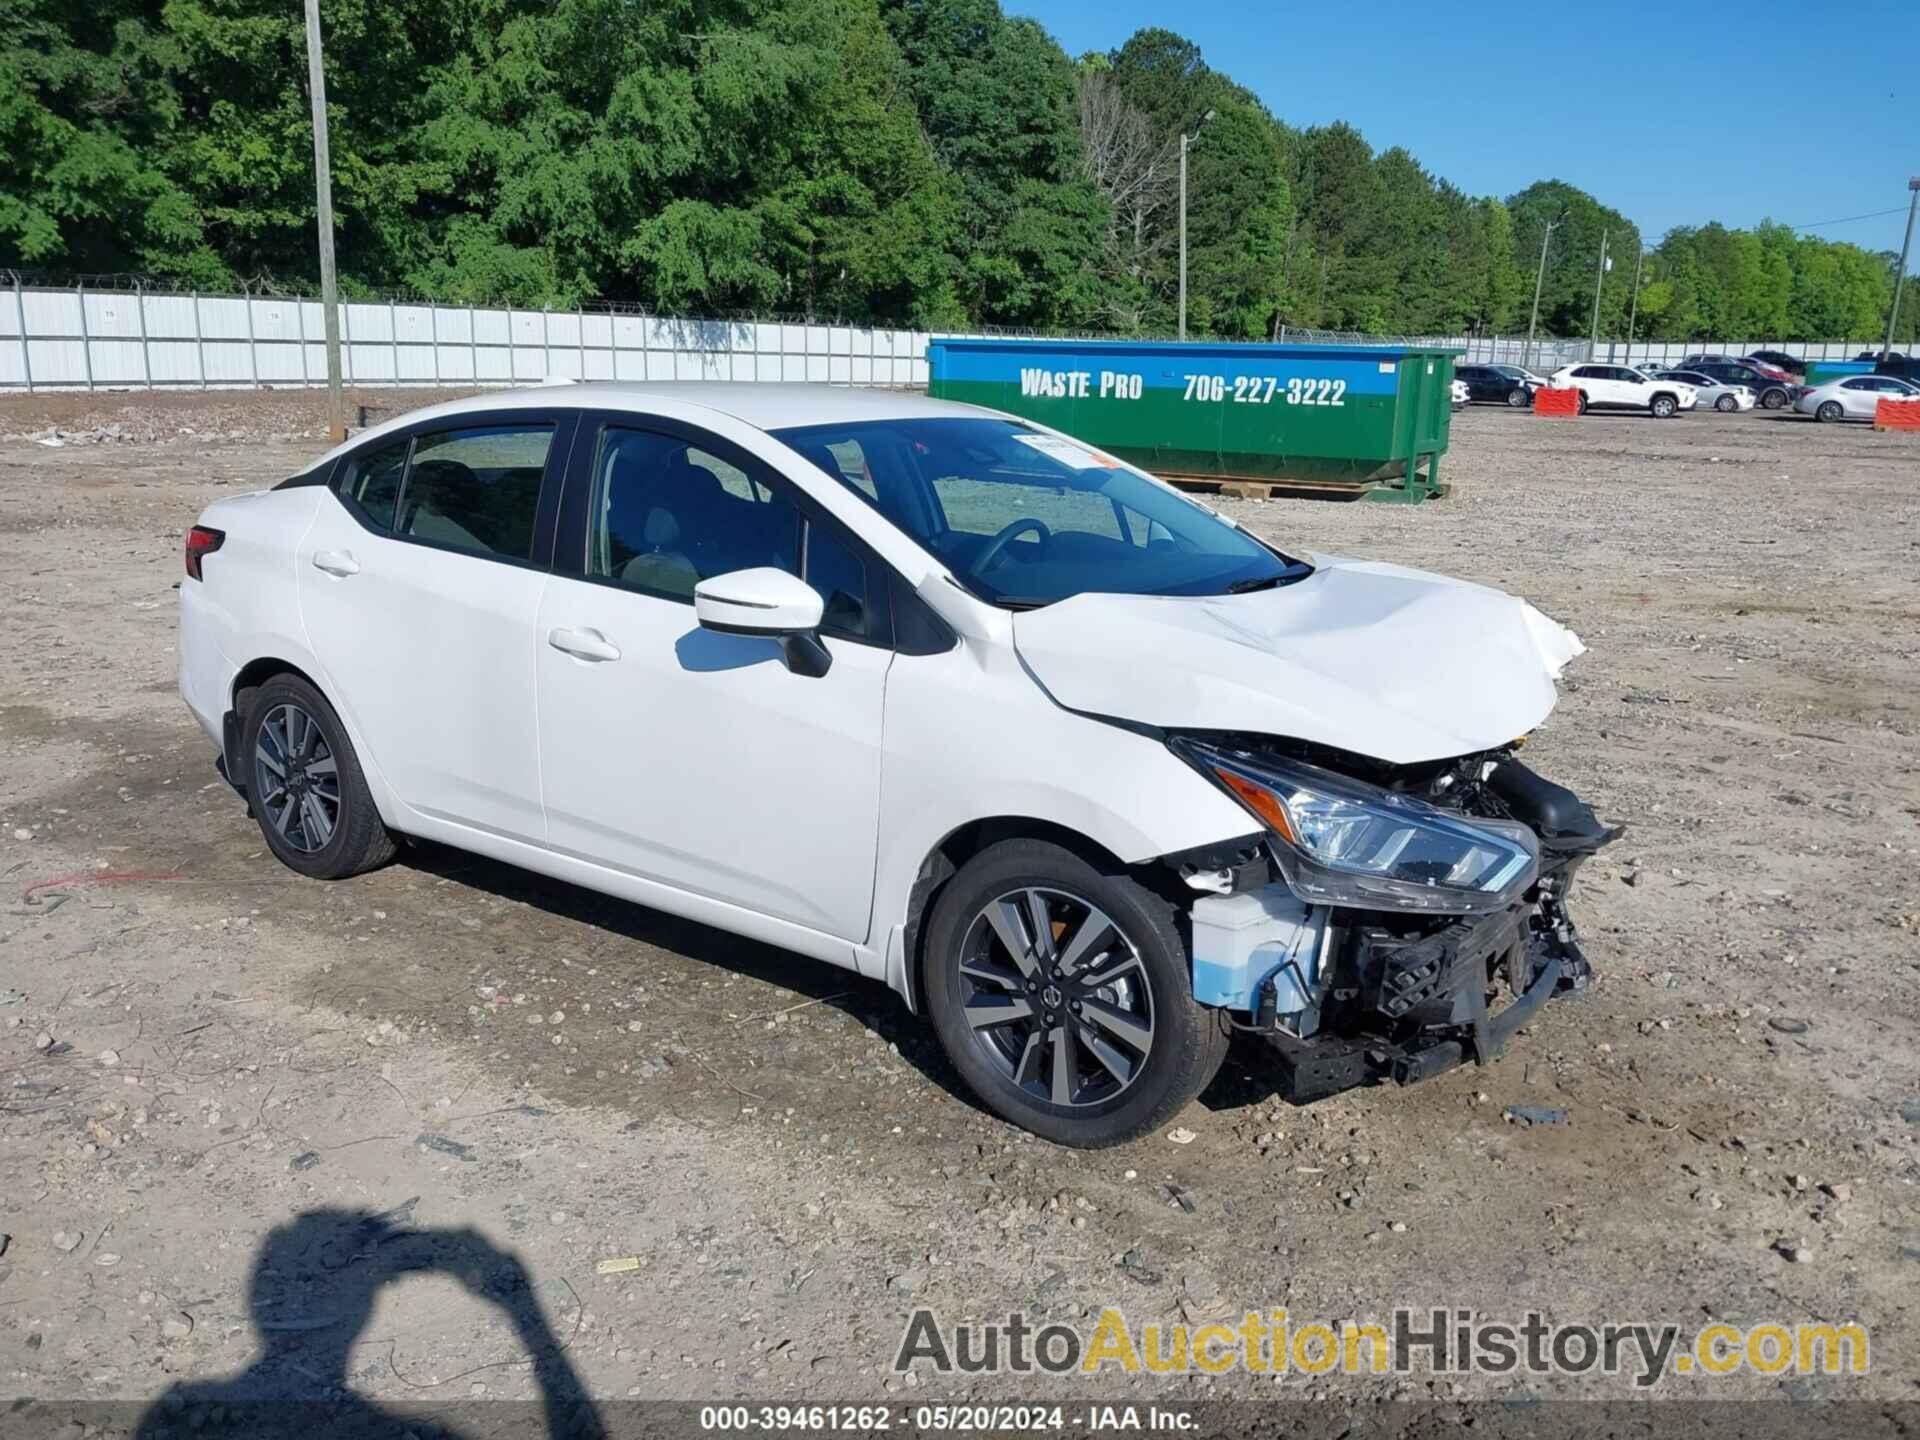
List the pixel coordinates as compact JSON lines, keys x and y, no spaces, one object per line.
{"x":1024,"y":518}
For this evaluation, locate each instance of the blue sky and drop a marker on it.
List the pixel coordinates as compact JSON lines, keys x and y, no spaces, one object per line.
{"x":1672,"y":114}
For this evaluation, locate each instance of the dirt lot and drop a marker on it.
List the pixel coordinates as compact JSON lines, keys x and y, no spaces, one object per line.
{"x":199,"y":1047}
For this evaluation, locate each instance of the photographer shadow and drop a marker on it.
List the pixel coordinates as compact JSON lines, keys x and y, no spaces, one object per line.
{"x":312,"y":1293}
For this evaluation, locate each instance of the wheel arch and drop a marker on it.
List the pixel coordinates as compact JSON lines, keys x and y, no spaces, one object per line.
{"x":906,"y":970}
{"x":257,"y":672}
{"x":266,"y":666}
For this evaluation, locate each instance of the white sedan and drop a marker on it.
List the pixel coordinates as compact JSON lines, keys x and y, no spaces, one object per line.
{"x":1087,"y":773}
{"x":1621,"y":387}
{"x":1713,"y":394}
{"x":1854,"y":398}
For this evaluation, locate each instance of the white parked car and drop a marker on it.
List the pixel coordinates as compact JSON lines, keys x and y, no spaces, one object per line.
{"x":1855,"y":397}
{"x":1621,"y":387}
{"x":1709,"y":393}
{"x":1087,"y":773}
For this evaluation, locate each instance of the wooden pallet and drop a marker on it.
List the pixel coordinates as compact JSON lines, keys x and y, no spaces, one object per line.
{"x":1266,"y":489}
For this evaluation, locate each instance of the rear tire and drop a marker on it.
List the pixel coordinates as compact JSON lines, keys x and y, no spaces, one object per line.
{"x":1829,"y":411}
{"x":306,"y":786}
{"x":1106,"y":980}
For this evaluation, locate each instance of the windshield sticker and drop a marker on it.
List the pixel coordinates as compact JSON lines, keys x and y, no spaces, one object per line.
{"x":1058,"y":448}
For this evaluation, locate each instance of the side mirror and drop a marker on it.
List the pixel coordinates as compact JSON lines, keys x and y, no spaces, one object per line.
{"x":767,"y":601}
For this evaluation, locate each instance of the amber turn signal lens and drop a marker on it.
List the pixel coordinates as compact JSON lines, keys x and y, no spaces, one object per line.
{"x":1262,"y":802}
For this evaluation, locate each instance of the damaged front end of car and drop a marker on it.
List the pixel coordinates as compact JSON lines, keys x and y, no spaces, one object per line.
{"x":1390,"y":921}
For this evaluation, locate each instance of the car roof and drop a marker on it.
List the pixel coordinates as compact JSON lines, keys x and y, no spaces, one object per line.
{"x":766,"y":405}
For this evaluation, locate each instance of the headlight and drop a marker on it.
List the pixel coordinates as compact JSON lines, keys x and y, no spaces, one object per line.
{"x":1343,"y":842}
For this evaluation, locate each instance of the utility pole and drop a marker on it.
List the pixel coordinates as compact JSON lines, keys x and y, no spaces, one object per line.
{"x":1633,"y":311}
{"x":1538,"y":278}
{"x":1900,"y":275}
{"x":1599,"y":277}
{"x":1185,"y":141}
{"x":323,"y":196}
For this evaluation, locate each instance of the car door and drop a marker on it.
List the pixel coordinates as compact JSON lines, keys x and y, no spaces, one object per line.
{"x":419,"y":582}
{"x":695,"y":759}
{"x":1861,"y":398}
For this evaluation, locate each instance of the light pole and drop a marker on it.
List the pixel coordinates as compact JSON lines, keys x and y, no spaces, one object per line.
{"x":1538,"y":278}
{"x":323,"y":198}
{"x":1900,"y":275}
{"x":1185,"y":141}
{"x":1633,"y":311}
{"x":1599,"y":278}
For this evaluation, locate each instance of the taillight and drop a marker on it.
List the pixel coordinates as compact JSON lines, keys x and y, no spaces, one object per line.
{"x":202,"y":542}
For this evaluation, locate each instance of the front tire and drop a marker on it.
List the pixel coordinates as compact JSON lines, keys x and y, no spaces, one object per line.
{"x":1517,"y":399}
{"x":1064,"y":997}
{"x":306,"y":785}
{"x":1583,"y":402}
{"x":1664,"y":407}
{"x":1726,"y":404}
{"x":1829,"y":411}
{"x":1773,"y":399}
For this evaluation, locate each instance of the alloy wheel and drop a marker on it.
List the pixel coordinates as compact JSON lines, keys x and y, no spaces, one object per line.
{"x":1056,"y":997}
{"x":296,"y":779}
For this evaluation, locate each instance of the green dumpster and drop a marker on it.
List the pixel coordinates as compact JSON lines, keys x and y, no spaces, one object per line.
{"x":1346,"y":420}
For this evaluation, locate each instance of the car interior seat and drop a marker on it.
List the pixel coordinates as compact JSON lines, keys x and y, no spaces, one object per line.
{"x":433,"y":488}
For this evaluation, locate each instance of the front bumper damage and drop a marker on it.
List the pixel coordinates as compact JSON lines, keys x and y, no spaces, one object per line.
{"x":1405,"y":1007}
{"x":1406,"y":997}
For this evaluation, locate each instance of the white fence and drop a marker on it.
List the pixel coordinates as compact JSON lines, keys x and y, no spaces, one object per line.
{"x":134,"y":339}
{"x":81,"y":339}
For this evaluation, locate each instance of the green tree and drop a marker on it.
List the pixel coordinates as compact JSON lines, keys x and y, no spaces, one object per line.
{"x":1566,"y":296}
{"x":995,"y":97}
{"x":924,"y":161}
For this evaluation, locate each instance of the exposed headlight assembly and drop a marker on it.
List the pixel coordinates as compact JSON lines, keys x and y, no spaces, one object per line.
{"x":1342,"y":842}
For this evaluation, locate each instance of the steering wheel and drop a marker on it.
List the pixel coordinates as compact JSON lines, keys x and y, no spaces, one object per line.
{"x":999,"y":542}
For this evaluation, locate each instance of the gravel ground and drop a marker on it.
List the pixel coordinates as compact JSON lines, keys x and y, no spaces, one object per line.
{"x":199,"y":1047}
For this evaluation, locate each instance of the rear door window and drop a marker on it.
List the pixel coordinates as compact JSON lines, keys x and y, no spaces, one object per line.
{"x":476,"y":489}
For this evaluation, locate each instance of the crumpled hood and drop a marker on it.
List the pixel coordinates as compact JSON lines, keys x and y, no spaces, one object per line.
{"x":1379,"y":660}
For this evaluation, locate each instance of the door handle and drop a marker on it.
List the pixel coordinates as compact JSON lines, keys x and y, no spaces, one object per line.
{"x":583,"y":644}
{"x":336,"y":562}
